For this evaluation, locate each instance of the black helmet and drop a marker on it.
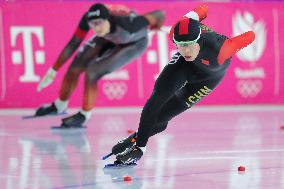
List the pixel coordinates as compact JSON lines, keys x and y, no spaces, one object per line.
{"x":187,"y":30}
{"x":98,"y":11}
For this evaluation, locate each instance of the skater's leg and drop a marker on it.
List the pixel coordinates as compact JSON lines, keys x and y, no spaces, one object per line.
{"x":90,"y":95}
{"x":69,"y":83}
{"x":110,"y":58}
{"x":172,"y":78}
{"x":90,"y":50}
{"x":114,"y":59}
{"x":185,"y":98}
{"x":150,"y":126}
{"x":130,"y":141}
{"x":90,"y":88}
{"x":158,"y":127}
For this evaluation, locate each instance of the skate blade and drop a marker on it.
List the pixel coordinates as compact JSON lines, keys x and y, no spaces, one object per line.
{"x":61,"y":127}
{"x":35,"y":116}
{"x":107,"y":156}
{"x":119,"y":166}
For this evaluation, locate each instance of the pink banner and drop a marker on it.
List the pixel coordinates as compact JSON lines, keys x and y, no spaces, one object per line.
{"x":33,"y":34}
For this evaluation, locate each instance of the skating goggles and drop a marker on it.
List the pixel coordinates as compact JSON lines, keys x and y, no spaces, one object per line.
{"x":96,"y":22}
{"x":187,"y":42}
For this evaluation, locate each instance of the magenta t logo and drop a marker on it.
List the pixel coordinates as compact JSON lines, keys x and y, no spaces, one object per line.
{"x":27,"y":55}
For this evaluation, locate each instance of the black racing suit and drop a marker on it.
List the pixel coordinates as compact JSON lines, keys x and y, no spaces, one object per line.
{"x":101,"y":55}
{"x":181,"y":85}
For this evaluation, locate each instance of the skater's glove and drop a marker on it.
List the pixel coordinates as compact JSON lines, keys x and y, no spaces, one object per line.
{"x":47,"y":79}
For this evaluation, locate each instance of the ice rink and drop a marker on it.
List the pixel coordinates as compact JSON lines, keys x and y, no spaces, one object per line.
{"x":202,"y":148}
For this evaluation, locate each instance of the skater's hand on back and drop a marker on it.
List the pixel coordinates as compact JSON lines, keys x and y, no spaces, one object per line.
{"x":47,"y":79}
{"x":155,"y":18}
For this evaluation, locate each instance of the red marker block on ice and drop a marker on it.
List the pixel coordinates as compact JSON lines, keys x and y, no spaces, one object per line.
{"x":241,"y":168}
{"x":130,"y":131}
{"x":282,"y":127}
{"x":127,"y":178}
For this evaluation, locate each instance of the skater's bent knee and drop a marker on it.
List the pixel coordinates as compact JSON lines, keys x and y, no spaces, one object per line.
{"x":93,"y":77}
{"x":74,"y":71}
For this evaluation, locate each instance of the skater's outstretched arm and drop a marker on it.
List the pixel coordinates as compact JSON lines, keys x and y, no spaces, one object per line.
{"x":73,"y":43}
{"x":66,"y":53}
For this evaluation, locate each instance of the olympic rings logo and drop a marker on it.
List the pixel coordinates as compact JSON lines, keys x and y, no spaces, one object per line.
{"x":114,"y":90}
{"x":249,"y":88}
